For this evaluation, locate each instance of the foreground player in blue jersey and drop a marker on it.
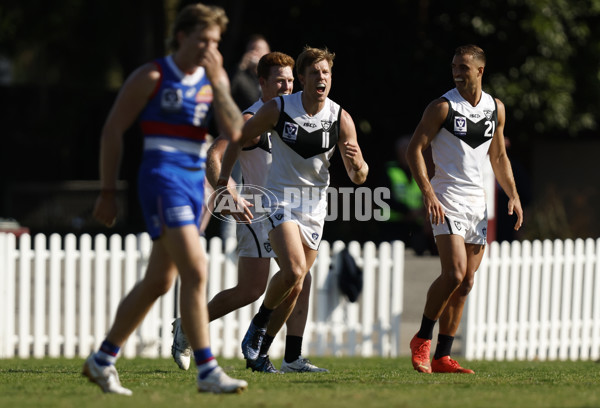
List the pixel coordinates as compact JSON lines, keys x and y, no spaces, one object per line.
{"x":172,"y":97}
{"x":463,"y":127}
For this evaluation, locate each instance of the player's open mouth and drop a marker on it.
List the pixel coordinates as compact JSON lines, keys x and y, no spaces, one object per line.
{"x":321,"y":88}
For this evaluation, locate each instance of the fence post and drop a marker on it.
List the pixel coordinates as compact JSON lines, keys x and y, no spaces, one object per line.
{"x":24,"y":314}
{"x":71,"y":256}
{"x":99,"y":289}
{"x":534,"y":311}
{"x":566,"y":296}
{"x":488,"y":341}
{"x":595,"y":354}
{"x":587,"y":300}
{"x":85,"y":295}
{"x":9,"y":253}
{"x":523,"y":325}
{"x":55,"y":339}
{"x":397,"y":287}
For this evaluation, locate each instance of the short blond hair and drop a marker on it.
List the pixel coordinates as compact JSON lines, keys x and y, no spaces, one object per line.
{"x":197,"y":14}
{"x":311,"y":55}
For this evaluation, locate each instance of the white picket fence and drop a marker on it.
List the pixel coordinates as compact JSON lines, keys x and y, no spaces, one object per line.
{"x":536,"y":300}
{"x":59,"y":296}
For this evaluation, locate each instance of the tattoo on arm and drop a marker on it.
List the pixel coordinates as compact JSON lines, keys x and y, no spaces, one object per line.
{"x":228,"y":115}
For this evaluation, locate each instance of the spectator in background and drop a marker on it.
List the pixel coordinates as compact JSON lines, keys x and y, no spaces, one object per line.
{"x":407,"y":217}
{"x":245,"y":88}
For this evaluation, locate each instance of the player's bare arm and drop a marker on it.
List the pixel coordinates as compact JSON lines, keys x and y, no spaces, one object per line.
{"x":426,"y":130}
{"x":265,"y":119}
{"x":215,"y":154}
{"x":502,"y":168}
{"x":130,"y":101}
{"x":355,"y":164}
{"x":227,"y":114}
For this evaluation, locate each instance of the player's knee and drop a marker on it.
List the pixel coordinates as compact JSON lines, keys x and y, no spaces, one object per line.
{"x":158,"y":287}
{"x":193,"y":277}
{"x":252,"y":294}
{"x":295,"y":276}
{"x":454,"y":277}
{"x":466,"y":286}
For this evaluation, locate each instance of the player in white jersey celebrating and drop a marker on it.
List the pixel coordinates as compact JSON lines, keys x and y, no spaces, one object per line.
{"x":275,"y":73}
{"x":463,"y":127}
{"x":308,"y":126}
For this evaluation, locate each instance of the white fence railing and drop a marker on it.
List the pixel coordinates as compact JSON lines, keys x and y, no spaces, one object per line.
{"x":536,"y":300}
{"x":59,"y":296}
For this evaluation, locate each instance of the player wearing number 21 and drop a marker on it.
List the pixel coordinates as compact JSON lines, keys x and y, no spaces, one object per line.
{"x":463,"y":127}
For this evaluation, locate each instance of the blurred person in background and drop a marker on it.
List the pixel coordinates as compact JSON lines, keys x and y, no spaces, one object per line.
{"x":407,"y":216}
{"x":245,"y":86}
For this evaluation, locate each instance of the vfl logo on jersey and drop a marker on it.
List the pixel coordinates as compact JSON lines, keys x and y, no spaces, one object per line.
{"x":171,"y":99}
{"x":457,"y":225}
{"x":488,"y":113}
{"x":290,"y":132}
{"x":205,"y":94}
{"x":315,"y":236}
{"x":460,"y":126}
{"x":279,"y":216}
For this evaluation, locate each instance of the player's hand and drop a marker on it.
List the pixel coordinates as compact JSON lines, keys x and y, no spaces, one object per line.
{"x":228,"y":202}
{"x":434,"y":208}
{"x":514,"y":206}
{"x":212,"y":61}
{"x":352,"y":152}
{"x":105,"y":209}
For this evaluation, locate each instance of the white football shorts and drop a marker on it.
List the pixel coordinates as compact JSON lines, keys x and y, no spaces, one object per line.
{"x":468,"y":221}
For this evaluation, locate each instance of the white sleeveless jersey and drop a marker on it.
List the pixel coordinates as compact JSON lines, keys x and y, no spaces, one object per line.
{"x":461,"y":147}
{"x":255,"y":161}
{"x":302,"y":146}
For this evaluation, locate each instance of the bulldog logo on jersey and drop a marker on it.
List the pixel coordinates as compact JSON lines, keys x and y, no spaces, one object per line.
{"x":315,"y":236}
{"x":460,"y":126}
{"x":171,"y":100}
{"x":205,"y":94}
{"x":488,"y":113}
{"x":267,"y":246}
{"x":290,"y":132}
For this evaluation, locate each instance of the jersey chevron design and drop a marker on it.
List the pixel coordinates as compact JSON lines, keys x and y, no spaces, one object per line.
{"x":307,"y":135}
{"x":473,"y":125}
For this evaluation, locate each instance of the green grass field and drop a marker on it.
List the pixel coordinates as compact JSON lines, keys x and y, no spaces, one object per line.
{"x":352,"y":383}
